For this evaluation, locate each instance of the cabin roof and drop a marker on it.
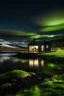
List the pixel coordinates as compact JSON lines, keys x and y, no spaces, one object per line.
{"x":35,"y":42}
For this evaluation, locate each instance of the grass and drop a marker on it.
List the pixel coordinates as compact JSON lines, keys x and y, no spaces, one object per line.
{"x":15,"y":73}
{"x":58,"y":53}
{"x":52,"y":87}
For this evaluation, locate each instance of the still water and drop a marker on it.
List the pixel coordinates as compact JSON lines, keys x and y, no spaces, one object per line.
{"x":8,"y":62}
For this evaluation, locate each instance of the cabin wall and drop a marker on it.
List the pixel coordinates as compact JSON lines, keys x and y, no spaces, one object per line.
{"x":41,"y":48}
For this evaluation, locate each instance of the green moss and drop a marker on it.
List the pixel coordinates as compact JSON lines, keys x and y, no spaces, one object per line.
{"x":15,"y":73}
{"x":47,"y":88}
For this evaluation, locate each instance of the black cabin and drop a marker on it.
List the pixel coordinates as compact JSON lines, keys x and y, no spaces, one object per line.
{"x":39,"y":46}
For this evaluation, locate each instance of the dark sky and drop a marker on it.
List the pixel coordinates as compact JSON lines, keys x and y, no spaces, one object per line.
{"x":18,"y":15}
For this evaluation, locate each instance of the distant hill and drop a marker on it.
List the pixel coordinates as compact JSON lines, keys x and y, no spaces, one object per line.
{"x":11,"y":49}
{"x":58,"y":43}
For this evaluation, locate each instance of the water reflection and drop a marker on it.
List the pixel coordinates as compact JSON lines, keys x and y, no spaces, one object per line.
{"x":36,"y":62}
{"x":31,"y":64}
{"x":9,"y":62}
{"x":4,"y":57}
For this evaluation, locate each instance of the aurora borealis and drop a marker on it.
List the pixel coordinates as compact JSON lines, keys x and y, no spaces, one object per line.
{"x":28,"y":20}
{"x":51,"y":22}
{"x":52,"y":28}
{"x":52,"y":18}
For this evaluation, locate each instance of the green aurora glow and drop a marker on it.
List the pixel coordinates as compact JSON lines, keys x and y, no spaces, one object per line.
{"x":51,"y":22}
{"x":33,"y":35}
{"x":55,"y":18}
{"x":52,"y":28}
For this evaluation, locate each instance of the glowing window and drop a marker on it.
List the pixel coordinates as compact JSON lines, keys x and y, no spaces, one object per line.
{"x":42,"y":48}
{"x":33,"y":48}
{"x":47,"y":46}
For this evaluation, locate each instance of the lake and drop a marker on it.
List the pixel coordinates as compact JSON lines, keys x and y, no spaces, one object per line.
{"x":8,"y":62}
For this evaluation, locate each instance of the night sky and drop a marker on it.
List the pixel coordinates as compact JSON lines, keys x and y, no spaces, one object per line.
{"x":38,"y":18}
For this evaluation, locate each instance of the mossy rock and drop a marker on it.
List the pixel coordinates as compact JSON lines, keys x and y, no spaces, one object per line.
{"x":15,"y":74}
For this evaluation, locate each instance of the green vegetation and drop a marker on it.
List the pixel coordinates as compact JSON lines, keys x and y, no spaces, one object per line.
{"x":54,"y":86}
{"x":59,"y":53}
{"x":15,"y":73}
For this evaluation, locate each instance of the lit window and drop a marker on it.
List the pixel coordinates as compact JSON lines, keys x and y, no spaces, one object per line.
{"x":42,"y":48}
{"x":46,"y":46}
{"x":33,"y":48}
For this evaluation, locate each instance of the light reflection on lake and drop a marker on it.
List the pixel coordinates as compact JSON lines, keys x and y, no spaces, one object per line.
{"x":8,"y":62}
{"x":5,"y":56}
{"x":32,"y":64}
{"x":36,"y":62}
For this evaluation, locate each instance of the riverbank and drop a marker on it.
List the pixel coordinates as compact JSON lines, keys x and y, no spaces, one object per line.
{"x":57,"y":53}
{"x":57,"y":56}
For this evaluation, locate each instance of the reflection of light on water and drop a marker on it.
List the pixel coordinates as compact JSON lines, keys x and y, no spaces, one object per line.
{"x":23,"y":61}
{"x":15,"y":60}
{"x":19,"y":60}
{"x":4,"y":59}
{"x":31,"y":63}
{"x":36,"y":63}
{"x":5,"y":56}
{"x":42,"y":62}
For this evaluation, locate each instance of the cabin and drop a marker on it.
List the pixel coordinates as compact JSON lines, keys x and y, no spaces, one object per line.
{"x":39,"y":46}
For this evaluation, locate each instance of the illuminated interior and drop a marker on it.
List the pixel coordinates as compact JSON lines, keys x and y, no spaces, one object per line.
{"x":42,"y":48}
{"x":47,"y":46}
{"x":33,"y":48}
